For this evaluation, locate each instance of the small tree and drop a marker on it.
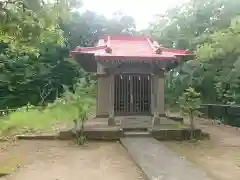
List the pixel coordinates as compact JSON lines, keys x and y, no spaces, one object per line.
{"x":190,"y":103}
{"x":82,"y":100}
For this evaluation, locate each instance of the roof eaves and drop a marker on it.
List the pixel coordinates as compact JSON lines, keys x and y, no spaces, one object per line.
{"x":177,"y":52}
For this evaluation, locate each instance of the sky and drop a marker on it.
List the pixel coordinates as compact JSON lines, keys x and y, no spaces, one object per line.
{"x":142,"y":11}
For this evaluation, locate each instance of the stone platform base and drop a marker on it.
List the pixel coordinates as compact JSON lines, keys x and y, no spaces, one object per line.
{"x":115,"y":134}
{"x":98,"y":129}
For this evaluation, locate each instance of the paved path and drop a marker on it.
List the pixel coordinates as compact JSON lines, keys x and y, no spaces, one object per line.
{"x":158,"y":162}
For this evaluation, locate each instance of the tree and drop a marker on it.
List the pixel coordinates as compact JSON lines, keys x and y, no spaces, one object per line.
{"x":223,"y":54}
{"x":33,"y":52}
{"x":87,"y":28}
{"x":27,"y":26}
{"x":190,"y":103}
{"x":82,"y":100}
{"x":210,"y":29}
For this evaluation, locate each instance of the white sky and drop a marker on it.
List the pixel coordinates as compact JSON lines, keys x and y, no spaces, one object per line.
{"x":142,"y":11}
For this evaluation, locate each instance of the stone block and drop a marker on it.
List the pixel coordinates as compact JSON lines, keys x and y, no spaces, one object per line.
{"x":66,"y":135}
{"x":176,"y":134}
{"x":108,"y":135}
{"x":111,"y":121}
{"x":156,"y":121}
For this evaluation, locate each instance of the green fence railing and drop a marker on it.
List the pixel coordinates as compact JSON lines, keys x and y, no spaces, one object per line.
{"x":227,"y":114}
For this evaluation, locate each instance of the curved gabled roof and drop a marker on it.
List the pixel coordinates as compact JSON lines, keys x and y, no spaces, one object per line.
{"x":129,"y":48}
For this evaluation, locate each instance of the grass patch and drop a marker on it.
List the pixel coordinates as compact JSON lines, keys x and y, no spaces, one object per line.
{"x":36,"y":120}
{"x":10,"y":167}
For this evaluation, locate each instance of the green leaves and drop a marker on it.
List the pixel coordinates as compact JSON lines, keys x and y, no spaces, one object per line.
{"x":224,"y":42}
{"x":87,"y":28}
{"x":27,"y":25}
{"x":211,"y":29}
{"x":81,"y":98}
{"x":32,"y":51}
{"x":190,"y":101}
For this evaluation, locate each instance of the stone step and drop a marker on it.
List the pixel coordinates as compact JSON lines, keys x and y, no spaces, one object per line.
{"x":137,"y":134}
{"x":135,"y":129}
{"x":135,"y":123}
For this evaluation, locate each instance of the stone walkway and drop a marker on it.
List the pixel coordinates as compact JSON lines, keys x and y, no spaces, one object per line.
{"x":160,"y":163}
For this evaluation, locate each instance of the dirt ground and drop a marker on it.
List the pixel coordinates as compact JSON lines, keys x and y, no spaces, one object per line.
{"x":219,"y":156}
{"x":61,"y":160}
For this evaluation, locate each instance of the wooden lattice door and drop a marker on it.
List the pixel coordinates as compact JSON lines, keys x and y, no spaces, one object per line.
{"x":132,"y":95}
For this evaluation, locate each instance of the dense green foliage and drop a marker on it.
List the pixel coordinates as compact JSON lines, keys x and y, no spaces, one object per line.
{"x":87,"y":28}
{"x":35,"y":39}
{"x":211,"y":29}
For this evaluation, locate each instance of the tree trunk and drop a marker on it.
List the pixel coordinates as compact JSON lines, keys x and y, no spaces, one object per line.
{"x":76,"y":123}
{"x":192,"y":125}
{"x":82,"y":129}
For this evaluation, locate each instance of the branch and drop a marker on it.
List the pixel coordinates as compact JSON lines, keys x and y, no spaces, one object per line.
{"x":20,"y":3}
{"x":46,"y":95}
{"x":42,"y":93}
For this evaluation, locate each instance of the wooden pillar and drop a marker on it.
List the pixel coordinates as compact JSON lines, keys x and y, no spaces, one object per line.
{"x":102,"y":108}
{"x":103,"y":81}
{"x":161,"y":98}
{"x":111,"y":119}
{"x":158,"y":97}
{"x":153,"y":98}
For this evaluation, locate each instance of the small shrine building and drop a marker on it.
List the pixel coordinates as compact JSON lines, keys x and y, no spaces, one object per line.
{"x":130,"y":75}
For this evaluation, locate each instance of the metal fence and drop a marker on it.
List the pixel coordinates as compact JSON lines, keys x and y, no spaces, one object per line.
{"x":227,"y":114}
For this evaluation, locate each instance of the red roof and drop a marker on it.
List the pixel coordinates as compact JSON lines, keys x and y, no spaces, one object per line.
{"x":129,"y":48}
